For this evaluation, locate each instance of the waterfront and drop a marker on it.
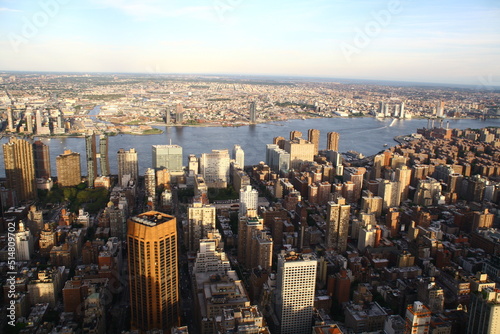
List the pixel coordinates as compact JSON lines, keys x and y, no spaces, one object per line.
{"x":366,"y":135}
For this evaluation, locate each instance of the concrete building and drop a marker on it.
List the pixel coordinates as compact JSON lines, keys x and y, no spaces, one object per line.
{"x":249,"y":199}
{"x":337,"y":224}
{"x":484,"y":312}
{"x":201,"y":220}
{"x":20,"y":168}
{"x":313,"y":137}
{"x":300,"y":151}
{"x":277,"y":158}
{"x":215,"y":169}
{"x":24,"y":243}
{"x":418,"y":318}
{"x":332,"y":141}
{"x":153,"y":271}
{"x":294,"y":297}
{"x":68,"y":169}
{"x":42,"y":160}
{"x":128,"y":168}
{"x":239,"y":156}
{"x":167,"y":156}
{"x":104,"y":155}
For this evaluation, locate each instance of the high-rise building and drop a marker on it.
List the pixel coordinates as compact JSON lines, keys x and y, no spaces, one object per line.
{"x":38,"y":121}
{"x":280,"y":141}
{"x":253,"y":113}
{"x":20,"y":168}
{"x":153,"y":273}
{"x":104,"y":156}
{"x":418,"y":318}
{"x":201,"y":220}
{"x":68,"y":169}
{"x":332,"y":141}
{"x":247,"y":227}
{"x":249,"y":199}
{"x":193,"y":165}
{"x":150,"y":184}
{"x":29,"y":120}
{"x":355,"y":175}
{"x":313,"y":137}
{"x":239,"y":156}
{"x":300,"y":151}
{"x":42,"y":159}
{"x":295,"y":134}
{"x":277,"y":159}
{"x":337,"y":224}
{"x":91,"y":157}
{"x":484,"y":314}
{"x":390,"y":193}
{"x":403,"y":176}
{"x":10,"y":119}
{"x":167,"y":156}
{"x":167,"y":116}
{"x":214,"y":167}
{"x":128,"y":168}
{"x":179,"y":114}
{"x":295,"y":285}
{"x":24,"y":243}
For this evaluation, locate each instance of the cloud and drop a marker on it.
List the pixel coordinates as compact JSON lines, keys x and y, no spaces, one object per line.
{"x":4,"y":9}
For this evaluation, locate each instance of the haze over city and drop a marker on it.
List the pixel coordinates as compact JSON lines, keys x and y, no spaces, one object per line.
{"x":426,"y":41}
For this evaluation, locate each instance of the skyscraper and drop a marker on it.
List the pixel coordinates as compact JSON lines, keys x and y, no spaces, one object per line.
{"x":403,"y":176}
{"x":295,"y":134}
{"x":68,"y":169}
{"x":179,"y":114}
{"x":10,"y":119}
{"x":127,"y":165}
{"x":253,"y":113}
{"x":418,"y":318}
{"x":214,"y":167}
{"x":249,"y":198}
{"x":313,"y":137}
{"x":150,"y":184}
{"x":42,"y":159}
{"x":167,"y":116}
{"x":332,"y":141}
{"x":104,"y":156}
{"x":239,"y":155}
{"x":91,"y":157}
{"x":296,"y":282}
{"x":300,"y":151}
{"x":484,"y":314}
{"x":201,"y":220}
{"x":153,"y":274}
{"x":29,"y":119}
{"x":167,"y":156}
{"x":20,"y":168}
{"x":337,"y":224}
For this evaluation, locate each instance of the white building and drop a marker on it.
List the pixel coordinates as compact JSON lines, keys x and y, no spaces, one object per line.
{"x":249,"y":199}
{"x":24,"y":243}
{"x":239,"y":156}
{"x":294,"y":298}
{"x":214,"y":167}
{"x":201,"y":220}
{"x":418,"y":318}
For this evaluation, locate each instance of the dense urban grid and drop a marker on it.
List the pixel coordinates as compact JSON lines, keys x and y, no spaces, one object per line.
{"x":311,"y":240}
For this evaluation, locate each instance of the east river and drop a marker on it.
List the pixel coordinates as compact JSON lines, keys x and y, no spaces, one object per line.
{"x":366,"y":135}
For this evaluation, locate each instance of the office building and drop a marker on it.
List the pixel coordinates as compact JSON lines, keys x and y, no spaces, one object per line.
{"x":247,"y":227}
{"x":91,"y":157}
{"x":128,"y":168}
{"x":24,"y":243}
{"x":150,"y":184}
{"x":249,"y":199}
{"x":167,"y":156}
{"x":253,"y":113}
{"x":403,"y":176}
{"x":418,"y":318}
{"x":153,"y":273}
{"x":239,"y":156}
{"x":337,"y":224}
{"x":355,"y":175}
{"x":42,"y":159}
{"x":20,"y":168}
{"x":484,"y":312}
{"x":390,"y":193}
{"x":332,"y":141}
{"x":294,"y":297}
{"x":295,"y":134}
{"x":313,"y":137}
{"x":104,"y":155}
{"x":179,"y":114}
{"x":277,"y":159}
{"x":300,"y":150}
{"x":68,"y":169}
{"x":201,"y":220}
{"x":214,"y":167}
{"x":10,"y":119}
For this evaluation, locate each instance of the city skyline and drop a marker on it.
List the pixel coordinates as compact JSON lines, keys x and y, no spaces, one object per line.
{"x":446,"y":42}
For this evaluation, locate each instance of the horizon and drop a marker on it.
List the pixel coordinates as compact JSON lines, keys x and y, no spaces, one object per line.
{"x":445,"y":43}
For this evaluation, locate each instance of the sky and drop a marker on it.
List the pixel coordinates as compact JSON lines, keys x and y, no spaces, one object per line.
{"x":439,"y":41}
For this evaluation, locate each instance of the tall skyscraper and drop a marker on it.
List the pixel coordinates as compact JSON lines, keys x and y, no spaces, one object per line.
{"x":295,"y":285}
{"x":20,"y":168}
{"x":153,"y":274}
{"x":300,"y":150}
{"x":295,"y":134}
{"x":484,"y":314}
{"x":280,"y":141}
{"x":313,"y":137}
{"x":104,"y":156}
{"x":337,"y":224}
{"x":179,"y":114}
{"x":38,"y":121}
{"x":68,"y":169}
{"x":277,"y":159}
{"x":214,"y":167}
{"x":249,"y":199}
{"x":91,"y":157}
{"x":239,"y":155}
{"x":42,"y":159}
{"x":332,"y":141}
{"x":127,"y":165}
{"x":29,"y":119}
{"x":167,"y":115}
{"x":24,"y":243}
{"x":253,"y":113}
{"x":403,"y":176}
{"x":150,"y":184}
{"x":167,"y":156}
{"x":10,"y":119}
{"x":355,"y":175}
{"x":390,"y":193}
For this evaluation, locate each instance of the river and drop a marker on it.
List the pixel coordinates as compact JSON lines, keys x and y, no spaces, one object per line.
{"x":363,"y":134}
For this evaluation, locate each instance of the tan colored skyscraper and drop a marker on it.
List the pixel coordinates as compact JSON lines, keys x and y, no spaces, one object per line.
{"x":337,"y":224}
{"x":300,"y":151}
{"x":153,"y":274}
{"x":403,"y":176}
{"x":295,"y":134}
{"x":68,"y":169}
{"x":127,"y":165}
{"x":313,"y":137}
{"x":332,"y":141}
{"x":20,"y":168}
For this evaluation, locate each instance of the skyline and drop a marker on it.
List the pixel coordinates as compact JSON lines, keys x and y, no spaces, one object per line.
{"x":448,"y":42}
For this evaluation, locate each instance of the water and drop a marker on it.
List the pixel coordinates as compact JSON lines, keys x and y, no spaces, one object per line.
{"x":366,"y":135}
